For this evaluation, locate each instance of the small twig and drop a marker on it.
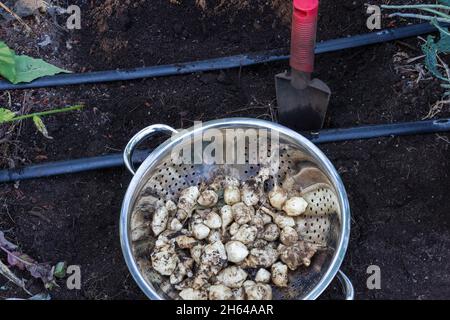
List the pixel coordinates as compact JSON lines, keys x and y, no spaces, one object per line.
{"x":436,"y":109}
{"x":40,"y":215}
{"x":407,"y":45}
{"x":422,"y":39}
{"x":415,"y":59}
{"x":445,"y":139}
{"x":247,"y":109}
{"x":264,"y":115}
{"x":5,"y":7}
{"x":5,"y":205}
{"x":9,"y":99}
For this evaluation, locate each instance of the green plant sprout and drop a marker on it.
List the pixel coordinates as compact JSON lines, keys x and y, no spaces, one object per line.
{"x":439,"y":16}
{"x":7,"y":115}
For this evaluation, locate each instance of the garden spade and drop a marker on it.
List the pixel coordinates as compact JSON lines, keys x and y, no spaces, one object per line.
{"x":302,"y":101}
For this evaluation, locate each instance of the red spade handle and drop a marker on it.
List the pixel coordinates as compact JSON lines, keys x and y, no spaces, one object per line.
{"x":303,"y":34}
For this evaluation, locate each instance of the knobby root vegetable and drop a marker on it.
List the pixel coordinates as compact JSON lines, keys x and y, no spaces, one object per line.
{"x":232,"y":277}
{"x":188,"y":200}
{"x":220,"y":292}
{"x":288,"y":236}
{"x":200,"y":231}
{"x":226,"y":213}
{"x":213,"y":220}
{"x":277,"y":197}
{"x":208,"y":239}
{"x":236,"y":251}
{"x":259,"y":291}
{"x":263,"y":276}
{"x":208,"y":198}
{"x":295,"y":206}
{"x":246,"y":234}
{"x":231,"y":195}
{"x":164,"y":260}
{"x":191,"y":294}
{"x":160,"y":219}
{"x":242,"y":213}
{"x":280,"y":274}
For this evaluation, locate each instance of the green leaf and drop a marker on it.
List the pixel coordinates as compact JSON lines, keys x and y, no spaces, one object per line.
{"x":446,"y":2}
{"x":41,"y":126}
{"x":443,"y":45}
{"x":29,"y":69}
{"x":6,"y":115}
{"x":7,"y":62}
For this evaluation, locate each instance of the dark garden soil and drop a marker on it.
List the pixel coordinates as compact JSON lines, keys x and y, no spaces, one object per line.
{"x":398,"y":187}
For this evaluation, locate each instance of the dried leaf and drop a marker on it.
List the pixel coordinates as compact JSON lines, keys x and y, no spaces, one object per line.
{"x":19,"y":260}
{"x":23,"y":261}
{"x":8,"y":274}
{"x":41,"y":271}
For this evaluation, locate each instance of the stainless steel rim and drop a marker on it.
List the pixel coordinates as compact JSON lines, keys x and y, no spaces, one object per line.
{"x":152,"y":159}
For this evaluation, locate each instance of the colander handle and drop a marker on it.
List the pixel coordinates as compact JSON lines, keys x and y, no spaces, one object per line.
{"x":138,"y":138}
{"x":347,"y":285}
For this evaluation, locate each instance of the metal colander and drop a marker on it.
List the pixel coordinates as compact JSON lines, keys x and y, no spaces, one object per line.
{"x":301,"y":169}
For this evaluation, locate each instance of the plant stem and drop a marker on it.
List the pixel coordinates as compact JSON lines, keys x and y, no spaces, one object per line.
{"x":416,"y":6}
{"x":442,"y":30}
{"x":438,"y":13}
{"x":45,"y":113}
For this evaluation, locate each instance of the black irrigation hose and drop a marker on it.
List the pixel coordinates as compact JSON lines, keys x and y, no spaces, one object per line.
{"x":324,"y":136}
{"x":220,"y":63}
{"x":381,"y":130}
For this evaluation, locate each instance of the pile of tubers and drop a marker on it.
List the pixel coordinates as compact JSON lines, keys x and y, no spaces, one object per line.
{"x":229,"y":240}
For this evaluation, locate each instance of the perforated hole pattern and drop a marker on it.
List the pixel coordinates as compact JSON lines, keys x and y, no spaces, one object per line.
{"x":169,"y":180}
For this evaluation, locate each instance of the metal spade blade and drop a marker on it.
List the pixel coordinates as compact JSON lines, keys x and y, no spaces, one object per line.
{"x":301,"y":105}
